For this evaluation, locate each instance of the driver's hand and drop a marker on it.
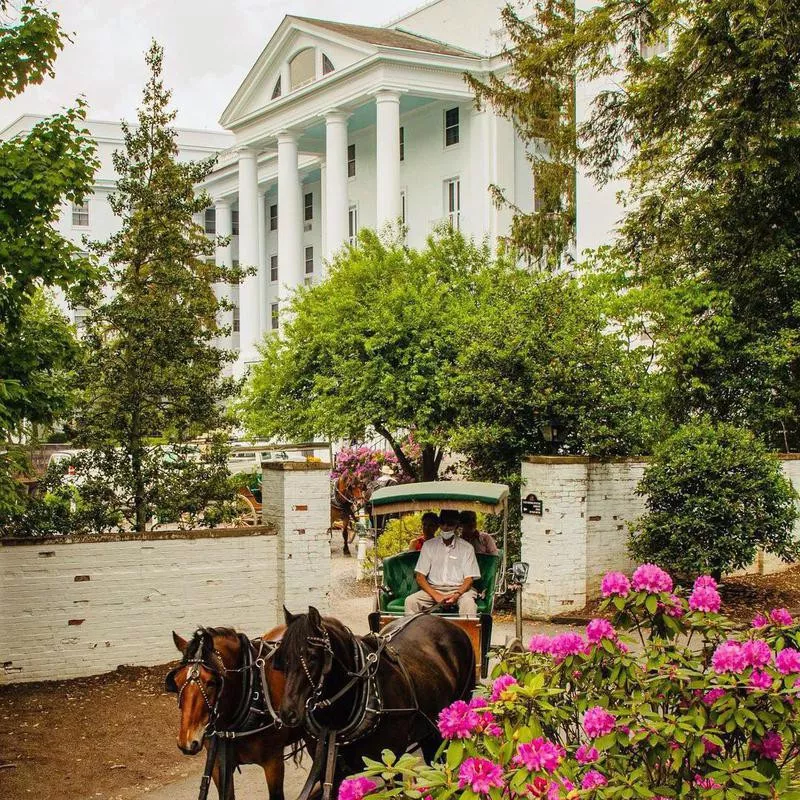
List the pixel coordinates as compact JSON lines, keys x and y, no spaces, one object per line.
{"x":451,"y":598}
{"x":438,"y":596}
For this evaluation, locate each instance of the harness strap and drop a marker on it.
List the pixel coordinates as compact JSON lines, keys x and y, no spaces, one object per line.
{"x":205,"y":781}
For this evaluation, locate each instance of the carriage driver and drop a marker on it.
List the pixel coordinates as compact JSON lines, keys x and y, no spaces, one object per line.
{"x":445,"y":571}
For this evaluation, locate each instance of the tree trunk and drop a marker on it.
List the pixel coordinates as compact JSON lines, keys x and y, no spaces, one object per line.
{"x":139,"y":501}
{"x":430,"y":463}
{"x":407,"y":466}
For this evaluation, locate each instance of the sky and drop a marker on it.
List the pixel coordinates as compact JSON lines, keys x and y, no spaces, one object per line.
{"x":209,"y":45}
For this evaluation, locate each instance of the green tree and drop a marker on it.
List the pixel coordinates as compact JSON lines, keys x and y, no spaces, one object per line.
{"x":152,"y":370}
{"x":371,"y":348}
{"x":53,"y":164}
{"x":714,"y":495}
{"x":706,"y":136}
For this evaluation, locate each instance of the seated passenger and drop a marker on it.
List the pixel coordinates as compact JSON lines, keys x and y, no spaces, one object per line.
{"x":482,"y":542}
{"x":445,"y":571}
{"x":430,"y":524}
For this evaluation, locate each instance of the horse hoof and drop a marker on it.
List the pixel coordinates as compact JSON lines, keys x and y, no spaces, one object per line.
{"x":346,"y":551}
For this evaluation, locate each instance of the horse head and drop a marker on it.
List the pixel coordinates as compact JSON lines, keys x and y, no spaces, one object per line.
{"x":306,"y":657}
{"x":200,"y":682}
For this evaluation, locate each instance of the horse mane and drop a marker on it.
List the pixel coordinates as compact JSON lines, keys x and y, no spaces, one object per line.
{"x":299,"y":630}
{"x":204,"y":637}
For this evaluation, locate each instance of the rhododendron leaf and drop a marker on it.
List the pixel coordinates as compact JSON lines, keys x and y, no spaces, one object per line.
{"x":619,"y":602}
{"x":651,"y":603}
{"x":604,"y":742}
{"x":468,"y":794}
{"x":455,"y":752}
{"x":388,"y":757}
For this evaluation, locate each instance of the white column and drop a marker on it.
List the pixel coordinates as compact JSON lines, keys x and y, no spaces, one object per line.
{"x":387,"y":166}
{"x":290,"y":213}
{"x":224,"y":257}
{"x":249,"y":324}
{"x":335,"y":197}
{"x":263,"y":268}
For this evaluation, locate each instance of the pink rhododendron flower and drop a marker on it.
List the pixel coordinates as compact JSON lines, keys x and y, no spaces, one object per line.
{"x":712,"y":695}
{"x":673,"y":608}
{"x":598,"y":722}
{"x":650,"y":578}
{"x":759,"y":621}
{"x":757,"y":653}
{"x":711,"y":748}
{"x":538,"y":786}
{"x":480,"y":775}
{"x":566,"y":644}
{"x":705,"y":581}
{"x":586,"y":755}
{"x":787,"y":661}
{"x":356,"y":788}
{"x":760,"y":680}
{"x":780,"y":616}
{"x":729,"y":657}
{"x":706,"y":783}
{"x":615,"y":583}
{"x":592,"y":779}
{"x":770,"y":746}
{"x":599,"y":629}
{"x":500,"y":685}
{"x":540,"y":643}
{"x":539,"y":754}
{"x":458,"y":720}
{"x":705,"y":599}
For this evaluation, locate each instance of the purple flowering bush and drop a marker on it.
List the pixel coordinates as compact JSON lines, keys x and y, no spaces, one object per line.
{"x":363,"y":465}
{"x":661,"y":697}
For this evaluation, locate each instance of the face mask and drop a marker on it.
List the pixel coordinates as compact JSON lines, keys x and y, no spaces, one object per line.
{"x":447,"y":535}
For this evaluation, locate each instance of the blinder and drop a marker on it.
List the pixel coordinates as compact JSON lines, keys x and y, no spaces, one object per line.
{"x":169,"y":681}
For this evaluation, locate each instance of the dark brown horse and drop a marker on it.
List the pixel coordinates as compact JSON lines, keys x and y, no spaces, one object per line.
{"x":212,"y":683}
{"x":348,"y":496}
{"x":376,"y":691}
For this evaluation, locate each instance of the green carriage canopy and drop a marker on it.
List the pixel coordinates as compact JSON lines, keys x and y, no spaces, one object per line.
{"x":490,"y":498}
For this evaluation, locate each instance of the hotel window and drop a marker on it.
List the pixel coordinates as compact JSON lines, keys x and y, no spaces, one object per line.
{"x":235,"y":279}
{"x":236,"y":321}
{"x":308,"y":280}
{"x":235,"y":222}
{"x":273,"y":269}
{"x":302,"y":68}
{"x":402,"y":143}
{"x":352,"y":225}
{"x":452,"y":199}
{"x":403,"y":207}
{"x":80,"y":214}
{"x":308,"y":206}
{"x":327,"y":65}
{"x":451,"y":127}
{"x":273,"y":217}
{"x":276,"y":92}
{"x":351,"y":161}
{"x":273,"y":316}
{"x":309,"y":260}
{"x":210,"y":221}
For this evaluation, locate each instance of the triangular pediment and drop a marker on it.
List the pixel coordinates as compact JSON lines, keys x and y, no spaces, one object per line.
{"x":292,"y":36}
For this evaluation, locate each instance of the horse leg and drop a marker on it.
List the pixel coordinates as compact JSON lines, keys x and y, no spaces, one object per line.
{"x":230,"y":794}
{"x":345,"y":530}
{"x":274,"y":768}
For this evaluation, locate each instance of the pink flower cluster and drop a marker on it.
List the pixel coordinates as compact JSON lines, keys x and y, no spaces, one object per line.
{"x":586,"y":755}
{"x":356,"y":788}
{"x":615,"y":583}
{"x":362,"y":464}
{"x":593,"y":779}
{"x":706,"y":783}
{"x":598,"y":722}
{"x":559,"y":646}
{"x":729,"y":657}
{"x":501,"y":685}
{"x":770,"y":746}
{"x":757,"y":653}
{"x":480,"y":775}
{"x":760,"y":680}
{"x":712,"y":695}
{"x":705,"y":596}
{"x":778,"y":616}
{"x":460,"y":720}
{"x":539,"y":754}
{"x":541,"y":787}
{"x":651,"y":578}
{"x":599,"y":629}
{"x":788,"y":661}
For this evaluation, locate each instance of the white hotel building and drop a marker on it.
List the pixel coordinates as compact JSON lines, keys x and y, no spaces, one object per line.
{"x":339,"y":127}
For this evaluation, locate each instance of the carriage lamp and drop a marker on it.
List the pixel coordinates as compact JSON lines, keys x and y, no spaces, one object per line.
{"x":551,"y":433}
{"x":518,"y":578}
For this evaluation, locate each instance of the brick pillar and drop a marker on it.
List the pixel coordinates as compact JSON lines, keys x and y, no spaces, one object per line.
{"x":555,"y":544}
{"x":297,"y":502}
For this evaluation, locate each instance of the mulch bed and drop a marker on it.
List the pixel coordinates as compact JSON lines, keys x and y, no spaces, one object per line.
{"x":110,"y":736}
{"x":742,"y":597}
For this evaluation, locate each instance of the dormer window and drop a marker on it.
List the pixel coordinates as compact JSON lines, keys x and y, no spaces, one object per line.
{"x":302,"y":68}
{"x":327,"y":65}
{"x":276,"y":92}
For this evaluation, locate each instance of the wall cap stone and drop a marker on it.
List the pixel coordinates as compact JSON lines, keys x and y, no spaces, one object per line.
{"x":297,"y":466}
{"x":619,"y":459}
{"x":146,"y":536}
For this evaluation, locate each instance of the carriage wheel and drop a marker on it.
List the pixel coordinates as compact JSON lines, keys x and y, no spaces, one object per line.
{"x":246,"y":512}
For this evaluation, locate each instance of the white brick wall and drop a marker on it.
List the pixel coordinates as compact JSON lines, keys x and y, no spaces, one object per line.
{"x":583,"y":532}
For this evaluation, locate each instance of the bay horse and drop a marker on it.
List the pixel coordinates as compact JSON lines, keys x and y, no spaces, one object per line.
{"x":347,"y":496}
{"x":219,"y":688}
{"x":364,"y":694}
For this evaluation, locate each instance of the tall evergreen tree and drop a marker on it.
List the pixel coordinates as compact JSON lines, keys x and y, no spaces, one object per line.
{"x":152,"y":371}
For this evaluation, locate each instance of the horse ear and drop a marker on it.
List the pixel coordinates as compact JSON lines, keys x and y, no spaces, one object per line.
{"x":288,"y":616}
{"x":314,"y":618}
{"x":180,"y":642}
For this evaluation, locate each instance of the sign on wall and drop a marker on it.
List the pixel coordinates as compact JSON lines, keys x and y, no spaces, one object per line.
{"x":531,"y":504}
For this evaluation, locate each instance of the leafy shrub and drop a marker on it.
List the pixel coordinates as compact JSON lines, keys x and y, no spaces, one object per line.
{"x":714,"y":495}
{"x":395,"y":538}
{"x":662,"y":700}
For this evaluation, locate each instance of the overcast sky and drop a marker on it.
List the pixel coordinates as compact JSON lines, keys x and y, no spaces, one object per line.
{"x":209,"y":47}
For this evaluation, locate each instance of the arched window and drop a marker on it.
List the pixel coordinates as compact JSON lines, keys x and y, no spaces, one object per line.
{"x":302,"y":68}
{"x":327,"y":65}
{"x":276,"y":92}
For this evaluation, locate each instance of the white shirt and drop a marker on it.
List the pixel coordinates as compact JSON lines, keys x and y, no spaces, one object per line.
{"x":447,"y":565}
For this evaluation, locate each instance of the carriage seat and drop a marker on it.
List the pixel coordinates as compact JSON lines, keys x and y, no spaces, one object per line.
{"x":399,"y":581}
